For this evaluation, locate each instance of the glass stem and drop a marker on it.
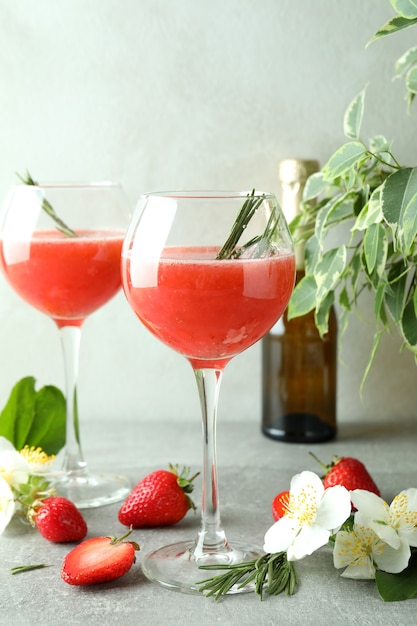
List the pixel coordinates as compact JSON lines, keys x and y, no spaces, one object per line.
{"x":70,"y":341}
{"x":211,"y":538}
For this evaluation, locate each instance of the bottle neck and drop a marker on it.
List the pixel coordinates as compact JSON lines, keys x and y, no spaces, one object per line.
{"x":291,"y":198}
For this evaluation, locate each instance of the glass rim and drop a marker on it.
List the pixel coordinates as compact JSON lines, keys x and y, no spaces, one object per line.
{"x":72,"y":185}
{"x":208,"y":194}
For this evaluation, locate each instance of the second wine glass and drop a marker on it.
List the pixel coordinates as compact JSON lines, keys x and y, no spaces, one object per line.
{"x":60,"y":248}
{"x":208,"y":274}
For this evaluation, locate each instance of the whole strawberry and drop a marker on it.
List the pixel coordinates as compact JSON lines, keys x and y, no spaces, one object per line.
{"x":280,"y":505}
{"x":350,"y":473}
{"x":159,"y":499}
{"x":58,"y":520}
{"x":99,"y":560}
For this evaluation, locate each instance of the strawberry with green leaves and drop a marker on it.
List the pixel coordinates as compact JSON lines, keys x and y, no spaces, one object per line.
{"x":99,"y":560}
{"x":58,"y":520}
{"x":159,"y":499}
{"x":348,"y":472}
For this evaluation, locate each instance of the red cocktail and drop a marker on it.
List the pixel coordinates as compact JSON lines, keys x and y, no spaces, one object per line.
{"x":60,"y":251}
{"x":209,"y":310}
{"x":67,"y":278}
{"x":208,"y":274}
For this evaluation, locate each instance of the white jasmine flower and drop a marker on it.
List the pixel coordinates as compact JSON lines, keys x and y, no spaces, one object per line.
{"x":7,"y":504}
{"x":38,"y":461}
{"x":393,"y":524}
{"x":361,"y":551}
{"x":13,"y":467}
{"x":314,"y":514}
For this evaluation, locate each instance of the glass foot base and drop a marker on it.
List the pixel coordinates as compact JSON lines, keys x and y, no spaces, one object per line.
{"x":175,"y":566}
{"x":88,"y":491}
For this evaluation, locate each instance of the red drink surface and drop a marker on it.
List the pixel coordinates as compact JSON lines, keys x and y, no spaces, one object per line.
{"x":66,"y":278}
{"x":208,"y":310}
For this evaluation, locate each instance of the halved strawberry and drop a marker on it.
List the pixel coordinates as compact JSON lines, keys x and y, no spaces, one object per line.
{"x":280,"y":505}
{"x":99,"y":560}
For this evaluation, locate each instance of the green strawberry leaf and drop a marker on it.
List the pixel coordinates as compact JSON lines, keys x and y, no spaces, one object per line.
{"x":34,"y":418}
{"x":402,"y":586}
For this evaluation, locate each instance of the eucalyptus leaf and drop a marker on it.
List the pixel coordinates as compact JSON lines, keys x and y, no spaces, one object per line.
{"x":34,"y":418}
{"x":396,"y":587}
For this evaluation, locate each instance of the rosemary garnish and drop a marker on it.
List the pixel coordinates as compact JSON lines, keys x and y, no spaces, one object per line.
{"x":48,"y":208}
{"x":27,"y":568}
{"x":270,"y":573}
{"x":260,"y":243}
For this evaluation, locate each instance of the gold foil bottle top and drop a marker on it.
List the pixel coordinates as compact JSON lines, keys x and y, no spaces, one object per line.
{"x":292,"y":171}
{"x":293,"y":174}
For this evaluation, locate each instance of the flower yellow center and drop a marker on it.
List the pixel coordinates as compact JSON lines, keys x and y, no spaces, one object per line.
{"x":400,"y":513}
{"x":36,"y":456}
{"x":303,"y":506}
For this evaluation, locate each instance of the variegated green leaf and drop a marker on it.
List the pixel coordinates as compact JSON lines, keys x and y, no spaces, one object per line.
{"x":414,"y":298}
{"x":311,"y":254}
{"x":303,"y":298}
{"x":396,"y":191}
{"x":399,"y":206}
{"x":411,"y":80}
{"x":344,"y":159}
{"x":394,"y":297}
{"x":379,"y":301}
{"x":315,"y":186}
{"x":393,"y":26}
{"x":375,"y":247}
{"x":379,"y":144}
{"x":353,"y":117}
{"x":407,"y":228}
{"x":405,"y":8}
{"x":371,"y":212}
{"x":409,"y":325}
{"x":406,"y":61}
{"x":328,"y":271}
{"x":321,"y":315}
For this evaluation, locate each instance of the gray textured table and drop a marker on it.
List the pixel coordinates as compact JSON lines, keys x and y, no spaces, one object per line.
{"x":252,"y":469}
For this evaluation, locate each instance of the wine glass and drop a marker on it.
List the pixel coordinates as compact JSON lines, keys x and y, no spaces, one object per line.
{"x":208,"y":273}
{"x":60,"y":247}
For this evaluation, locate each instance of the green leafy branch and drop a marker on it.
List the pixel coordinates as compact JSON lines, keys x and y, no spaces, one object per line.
{"x":366,"y":199}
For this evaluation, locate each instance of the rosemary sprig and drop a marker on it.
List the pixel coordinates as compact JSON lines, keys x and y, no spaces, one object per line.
{"x":251,"y":204}
{"x":27,"y":568}
{"x":270,"y":573}
{"x":48,"y":208}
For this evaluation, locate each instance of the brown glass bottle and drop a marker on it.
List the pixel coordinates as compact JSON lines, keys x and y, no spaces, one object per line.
{"x":299,"y":368}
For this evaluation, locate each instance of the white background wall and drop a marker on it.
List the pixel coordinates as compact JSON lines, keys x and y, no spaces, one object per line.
{"x":162,"y":94}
